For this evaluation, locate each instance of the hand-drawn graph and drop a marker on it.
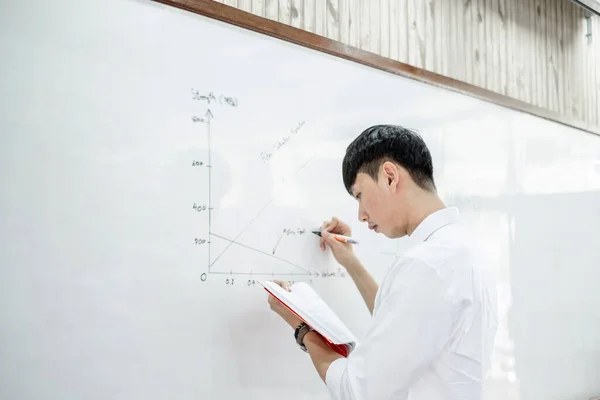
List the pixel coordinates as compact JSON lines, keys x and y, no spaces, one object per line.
{"x":241,"y":250}
{"x":262,"y":238}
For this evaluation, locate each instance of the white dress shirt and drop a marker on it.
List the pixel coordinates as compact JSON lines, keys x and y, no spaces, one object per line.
{"x":433,"y":324}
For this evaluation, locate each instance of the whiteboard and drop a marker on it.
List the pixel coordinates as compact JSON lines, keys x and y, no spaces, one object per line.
{"x":115,"y":178}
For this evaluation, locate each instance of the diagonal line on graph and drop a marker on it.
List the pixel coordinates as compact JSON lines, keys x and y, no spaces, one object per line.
{"x":253,"y":219}
{"x":239,"y":234}
{"x":304,"y":165}
{"x":259,"y":251}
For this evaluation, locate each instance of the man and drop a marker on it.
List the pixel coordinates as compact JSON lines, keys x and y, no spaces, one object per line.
{"x":434,"y":316}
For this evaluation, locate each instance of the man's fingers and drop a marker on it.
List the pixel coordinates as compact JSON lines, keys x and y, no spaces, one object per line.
{"x":332,"y":226}
{"x":325,"y":227}
{"x":281,"y":283}
{"x":335,"y":226}
{"x":284,"y":285}
{"x":329,"y":239}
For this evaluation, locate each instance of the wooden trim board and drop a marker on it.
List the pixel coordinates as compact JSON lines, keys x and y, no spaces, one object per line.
{"x":222,"y":12}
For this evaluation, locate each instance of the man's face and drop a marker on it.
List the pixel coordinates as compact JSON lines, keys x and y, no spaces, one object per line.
{"x":378,"y":204}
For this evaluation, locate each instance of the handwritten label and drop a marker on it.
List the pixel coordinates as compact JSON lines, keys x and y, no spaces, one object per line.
{"x":293,"y":232}
{"x":199,"y":208}
{"x":288,"y":232}
{"x":210,"y":98}
{"x":267,"y":155}
{"x":331,"y":274}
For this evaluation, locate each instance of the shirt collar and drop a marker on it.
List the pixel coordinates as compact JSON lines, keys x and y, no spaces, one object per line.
{"x":435,"y":222}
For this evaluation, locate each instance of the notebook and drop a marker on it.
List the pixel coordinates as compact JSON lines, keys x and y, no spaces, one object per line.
{"x":312,"y":309}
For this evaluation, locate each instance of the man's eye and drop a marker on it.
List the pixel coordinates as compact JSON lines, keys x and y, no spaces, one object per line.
{"x":358,"y":196}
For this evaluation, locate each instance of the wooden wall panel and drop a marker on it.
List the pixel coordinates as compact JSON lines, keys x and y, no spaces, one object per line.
{"x":595,"y":66}
{"x":403,"y":35}
{"x":592,"y":83}
{"x":535,"y":51}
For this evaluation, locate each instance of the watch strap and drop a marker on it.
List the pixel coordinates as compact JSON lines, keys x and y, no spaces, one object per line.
{"x":299,"y":334}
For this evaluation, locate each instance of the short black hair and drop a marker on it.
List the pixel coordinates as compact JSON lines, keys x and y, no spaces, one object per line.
{"x":381,"y":143}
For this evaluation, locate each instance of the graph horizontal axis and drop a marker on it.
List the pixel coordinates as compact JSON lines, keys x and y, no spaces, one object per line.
{"x":262,"y":273}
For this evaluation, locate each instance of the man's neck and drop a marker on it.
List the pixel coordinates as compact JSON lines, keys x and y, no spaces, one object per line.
{"x":423,"y":206}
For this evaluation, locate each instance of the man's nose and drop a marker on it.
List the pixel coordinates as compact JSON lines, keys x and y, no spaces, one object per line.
{"x":362,"y":216}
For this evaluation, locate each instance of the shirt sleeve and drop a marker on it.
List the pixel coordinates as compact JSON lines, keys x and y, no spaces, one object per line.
{"x":337,"y":380}
{"x":413,"y":323}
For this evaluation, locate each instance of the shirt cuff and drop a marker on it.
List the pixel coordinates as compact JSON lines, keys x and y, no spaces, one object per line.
{"x":334,"y":379}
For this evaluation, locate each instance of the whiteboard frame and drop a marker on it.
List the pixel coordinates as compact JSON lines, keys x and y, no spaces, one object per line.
{"x":213,"y":9}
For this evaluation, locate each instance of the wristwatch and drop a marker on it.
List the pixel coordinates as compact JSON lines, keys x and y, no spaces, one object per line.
{"x":299,"y":334}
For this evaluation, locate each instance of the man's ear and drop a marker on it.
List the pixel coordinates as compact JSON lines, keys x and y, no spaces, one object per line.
{"x":391,"y":173}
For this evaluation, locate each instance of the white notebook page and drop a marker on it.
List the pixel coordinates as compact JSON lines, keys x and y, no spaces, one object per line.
{"x":305,"y":302}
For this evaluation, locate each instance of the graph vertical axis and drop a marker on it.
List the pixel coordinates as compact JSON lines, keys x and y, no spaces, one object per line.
{"x":208,"y":122}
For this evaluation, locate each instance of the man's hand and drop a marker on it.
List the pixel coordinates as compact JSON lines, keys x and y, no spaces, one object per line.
{"x":321,"y":354}
{"x":343,"y":252}
{"x":282,"y":310}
